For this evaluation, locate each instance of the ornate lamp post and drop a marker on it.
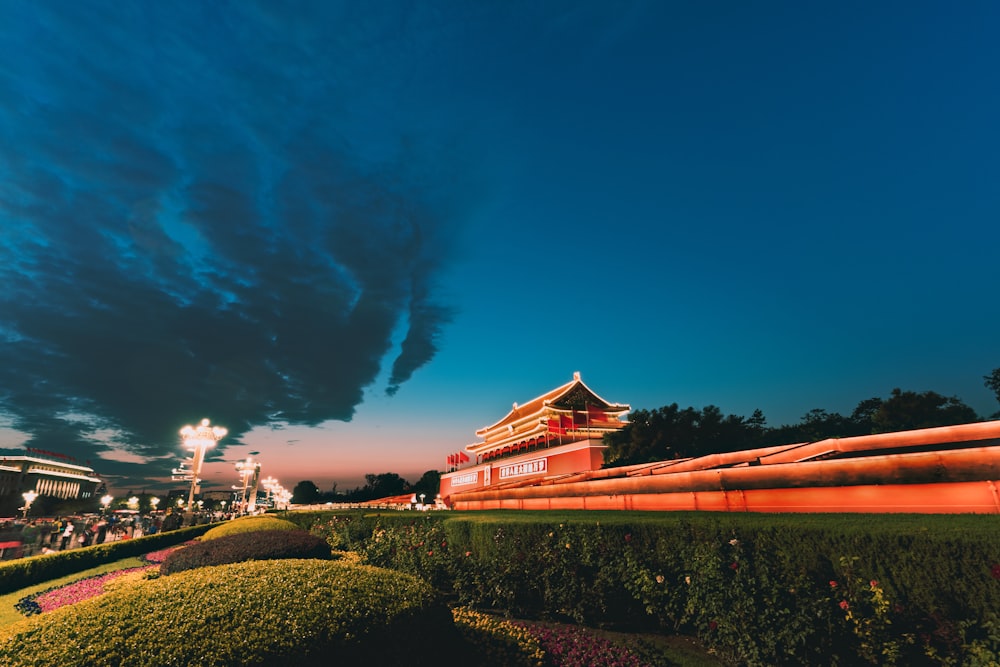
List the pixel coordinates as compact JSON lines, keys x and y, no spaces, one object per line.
{"x":106,"y":502}
{"x":246,"y":470}
{"x":270,"y":484}
{"x":197,"y":439}
{"x":29,"y":497}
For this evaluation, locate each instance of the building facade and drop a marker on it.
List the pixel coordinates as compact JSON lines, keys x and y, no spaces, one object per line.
{"x":558,"y":433}
{"x":66,"y":481}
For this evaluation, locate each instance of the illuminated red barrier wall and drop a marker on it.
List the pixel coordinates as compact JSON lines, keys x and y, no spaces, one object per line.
{"x":949,"y":481}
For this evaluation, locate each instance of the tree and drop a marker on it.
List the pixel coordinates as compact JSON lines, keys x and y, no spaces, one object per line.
{"x":992,"y":382}
{"x":863,"y":416}
{"x":304,"y":493}
{"x":384,"y":485}
{"x":670,"y":433}
{"x":906,"y":410}
{"x":429,"y":484}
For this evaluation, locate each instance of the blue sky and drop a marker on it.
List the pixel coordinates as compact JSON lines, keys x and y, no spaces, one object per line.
{"x":354,"y":233}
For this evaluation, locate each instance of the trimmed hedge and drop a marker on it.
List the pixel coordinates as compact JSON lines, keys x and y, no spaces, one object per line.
{"x":758,"y":589}
{"x":290,"y":612}
{"x":24,"y":572}
{"x":248,"y":525}
{"x":239,"y":547}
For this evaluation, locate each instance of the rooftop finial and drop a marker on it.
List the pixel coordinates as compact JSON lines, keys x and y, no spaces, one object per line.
{"x":576,"y":375}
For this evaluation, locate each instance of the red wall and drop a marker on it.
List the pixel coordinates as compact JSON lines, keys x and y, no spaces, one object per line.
{"x":946,"y":498}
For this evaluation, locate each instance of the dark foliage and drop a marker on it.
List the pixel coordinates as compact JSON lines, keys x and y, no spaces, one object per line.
{"x":257,"y":545}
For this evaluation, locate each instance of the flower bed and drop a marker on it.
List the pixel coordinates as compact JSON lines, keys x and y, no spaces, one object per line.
{"x":78,"y":591}
{"x":86,"y":588}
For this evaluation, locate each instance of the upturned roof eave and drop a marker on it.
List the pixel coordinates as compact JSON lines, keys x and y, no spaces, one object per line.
{"x":536,"y":407}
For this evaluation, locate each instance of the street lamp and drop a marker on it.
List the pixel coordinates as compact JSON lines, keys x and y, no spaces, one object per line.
{"x":197,"y":440}
{"x":106,"y":502}
{"x":29,"y":497}
{"x":133,"y":503}
{"x":270,"y":485}
{"x":246,"y":469}
{"x":154,"y":501}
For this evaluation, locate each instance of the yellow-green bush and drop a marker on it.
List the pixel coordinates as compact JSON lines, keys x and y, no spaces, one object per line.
{"x":497,"y":640}
{"x":248,"y":525}
{"x":290,"y":612}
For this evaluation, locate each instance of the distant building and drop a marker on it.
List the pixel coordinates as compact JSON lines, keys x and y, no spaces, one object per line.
{"x":66,"y":481}
{"x":558,"y":433}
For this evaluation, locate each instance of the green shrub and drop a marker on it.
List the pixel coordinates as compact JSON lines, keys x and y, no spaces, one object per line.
{"x":757,"y":589}
{"x":23,"y":572}
{"x":239,"y":547}
{"x":248,"y":525}
{"x":290,"y":612}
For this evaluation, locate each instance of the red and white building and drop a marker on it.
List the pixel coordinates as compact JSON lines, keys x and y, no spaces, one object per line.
{"x":558,"y":433}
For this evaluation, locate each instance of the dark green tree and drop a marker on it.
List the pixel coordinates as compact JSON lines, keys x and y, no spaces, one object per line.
{"x":992,"y":382}
{"x":384,"y":485}
{"x":863,"y":416}
{"x":671,"y":432}
{"x":305,"y":492}
{"x":429,"y":484}
{"x":906,"y":410}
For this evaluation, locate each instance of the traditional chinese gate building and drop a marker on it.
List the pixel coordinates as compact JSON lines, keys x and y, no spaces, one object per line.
{"x":558,"y":433}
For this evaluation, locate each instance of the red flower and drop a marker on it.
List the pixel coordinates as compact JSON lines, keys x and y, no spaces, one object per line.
{"x":995,"y":571}
{"x":712,"y":625}
{"x":844,"y":605}
{"x":734,"y":566}
{"x":628,"y":537}
{"x":833,"y":584}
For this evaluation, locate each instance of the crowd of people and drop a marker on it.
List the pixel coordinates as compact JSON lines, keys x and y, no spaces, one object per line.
{"x":47,"y":535}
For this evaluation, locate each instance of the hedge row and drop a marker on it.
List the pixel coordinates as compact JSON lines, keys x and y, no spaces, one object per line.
{"x":24,"y":572}
{"x":759,"y":589}
{"x":289,"y":612}
{"x":240,"y":547}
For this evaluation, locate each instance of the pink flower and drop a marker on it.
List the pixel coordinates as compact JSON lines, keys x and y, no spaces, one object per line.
{"x":844,"y":605}
{"x":873,"y":583}
{"x":833,"y":584}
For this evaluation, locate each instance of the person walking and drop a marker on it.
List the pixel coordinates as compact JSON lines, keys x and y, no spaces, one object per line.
{"x":67,"y":535}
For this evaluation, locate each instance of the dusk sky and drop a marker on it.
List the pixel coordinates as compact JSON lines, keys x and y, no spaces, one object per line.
{"x":353,"y":233}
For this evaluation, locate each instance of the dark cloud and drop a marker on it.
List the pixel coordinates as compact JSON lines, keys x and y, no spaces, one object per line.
{"x":186,"y":230}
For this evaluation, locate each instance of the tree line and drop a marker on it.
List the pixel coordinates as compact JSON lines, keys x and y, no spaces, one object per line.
{"x":672,"y":432}
{"x":381,"y":485}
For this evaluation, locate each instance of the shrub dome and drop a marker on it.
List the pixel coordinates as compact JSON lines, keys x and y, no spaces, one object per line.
{"x":289,"y":612}
{"x":248,"y":525}
{"x":239,"y":547}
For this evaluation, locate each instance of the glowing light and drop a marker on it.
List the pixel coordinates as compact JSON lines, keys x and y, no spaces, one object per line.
{"x":197,"y":440}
